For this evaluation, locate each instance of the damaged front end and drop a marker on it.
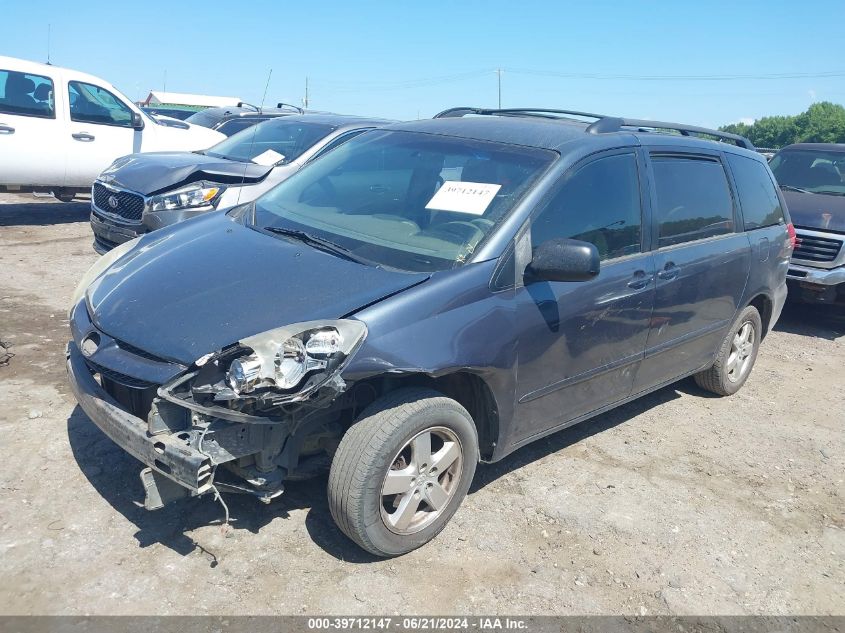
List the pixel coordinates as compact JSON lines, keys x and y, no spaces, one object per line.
{"x":244,"y":419}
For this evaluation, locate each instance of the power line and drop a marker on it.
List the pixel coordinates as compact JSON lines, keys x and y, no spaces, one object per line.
{"x":424,"y":82}
{"x":725,"y":77}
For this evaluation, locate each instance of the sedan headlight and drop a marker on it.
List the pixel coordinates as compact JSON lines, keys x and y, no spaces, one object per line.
{"x":198,"y":195}
{"x":303,"y":356}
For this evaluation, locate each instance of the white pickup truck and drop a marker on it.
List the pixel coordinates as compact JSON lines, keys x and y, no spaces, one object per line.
{"x":60,"y":128}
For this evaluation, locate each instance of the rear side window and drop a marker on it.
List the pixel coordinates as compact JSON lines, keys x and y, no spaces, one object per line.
{"x":693,"y":199}
{"x":92,"y":104}
{"x":757,"y":196}
{"x":26,"y":94}
{"x":599,"y":203}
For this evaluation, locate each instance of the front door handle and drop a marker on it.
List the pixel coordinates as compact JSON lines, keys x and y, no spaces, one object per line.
{"x":670,"y":271}
{"x":6,"y":129}
{"x":83,"y":136}
{"x":640,"y":280}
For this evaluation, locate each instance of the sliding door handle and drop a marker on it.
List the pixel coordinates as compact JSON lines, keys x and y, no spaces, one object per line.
{"x":6,"y":129}
{"x":83,"y":136}
{"x":670,"y":271}
{"x":640,"y":280}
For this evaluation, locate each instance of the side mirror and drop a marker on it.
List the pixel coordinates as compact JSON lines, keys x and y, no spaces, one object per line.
{"x":137,"y":121}
{"x":564,"y":260}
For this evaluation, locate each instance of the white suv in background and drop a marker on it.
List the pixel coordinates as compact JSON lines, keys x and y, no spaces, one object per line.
{"x":60,"y":128}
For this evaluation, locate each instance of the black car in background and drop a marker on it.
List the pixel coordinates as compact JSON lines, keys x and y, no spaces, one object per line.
{"x":426,"y":296}
{"x":174,"y":113}
{"x":812,"y":178}
{"x":229,"y":120}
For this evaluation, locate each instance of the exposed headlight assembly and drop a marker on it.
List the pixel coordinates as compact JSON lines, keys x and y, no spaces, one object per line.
{"x":303,"y":356}
{"x":198,"y":196}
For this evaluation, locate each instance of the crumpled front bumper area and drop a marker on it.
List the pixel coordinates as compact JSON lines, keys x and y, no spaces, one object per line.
{"x":108,"y":234}
{"x":166,"y":454}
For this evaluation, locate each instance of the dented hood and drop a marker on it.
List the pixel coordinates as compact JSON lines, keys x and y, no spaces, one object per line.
{"x":155,"y":172}
{"x":817,"y":211}
{"x":199,"y":286}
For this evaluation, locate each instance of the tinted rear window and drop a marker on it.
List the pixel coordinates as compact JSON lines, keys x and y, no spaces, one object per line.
{"x":757,"y":195}
{"x":693,"y":199}
{"x":26,"y":94}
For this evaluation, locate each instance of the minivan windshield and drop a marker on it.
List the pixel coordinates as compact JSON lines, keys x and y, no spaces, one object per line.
{"x":814,"y":171}
{"x":276,"y":141}
{"x":406,"y":200}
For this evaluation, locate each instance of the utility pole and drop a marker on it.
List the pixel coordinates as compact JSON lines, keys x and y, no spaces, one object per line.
{"x":305,"y":100}
{"x":499,"y":73}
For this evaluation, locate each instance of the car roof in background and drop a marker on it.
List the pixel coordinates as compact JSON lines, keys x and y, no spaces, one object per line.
{"x":244,"y":109}
{"x":336,"y":120}
{"x":827,"y":147}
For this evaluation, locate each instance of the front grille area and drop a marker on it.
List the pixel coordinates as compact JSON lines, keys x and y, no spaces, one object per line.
{"x":114,"y":376}
{"x":129,"y":205}
{"x":812,"y":248}
{"x":139,"y":352}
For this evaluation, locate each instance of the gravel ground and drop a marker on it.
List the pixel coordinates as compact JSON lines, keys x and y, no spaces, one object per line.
{"x":678,"y":503}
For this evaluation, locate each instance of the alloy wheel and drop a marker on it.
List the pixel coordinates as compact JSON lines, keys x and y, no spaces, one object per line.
{"x":422,"y":479}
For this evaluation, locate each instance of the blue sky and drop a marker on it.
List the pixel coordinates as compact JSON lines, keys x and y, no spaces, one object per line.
{"x":409,"y":59}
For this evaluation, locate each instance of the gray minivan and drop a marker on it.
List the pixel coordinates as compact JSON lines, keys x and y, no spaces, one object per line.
{"x":427,"y":296}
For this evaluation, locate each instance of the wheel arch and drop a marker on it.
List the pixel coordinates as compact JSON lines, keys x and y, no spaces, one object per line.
{"x":765,"y":306}
{"x":467,"y":388}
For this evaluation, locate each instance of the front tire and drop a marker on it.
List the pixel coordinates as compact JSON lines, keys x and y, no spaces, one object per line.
{"x":402,"y":471}
{"x":736,"y":357}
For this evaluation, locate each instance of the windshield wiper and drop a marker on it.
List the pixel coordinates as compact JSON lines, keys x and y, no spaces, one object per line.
{"x":831,"y":193}
{"x":798,"y":189}
{"x":320,"y":243}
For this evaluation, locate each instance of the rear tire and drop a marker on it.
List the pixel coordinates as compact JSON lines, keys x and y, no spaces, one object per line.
{"x":402,"y":470}
{"x":736,"y":357}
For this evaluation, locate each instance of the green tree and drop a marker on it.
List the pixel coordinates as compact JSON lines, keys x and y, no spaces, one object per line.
{"x":822,"y":123}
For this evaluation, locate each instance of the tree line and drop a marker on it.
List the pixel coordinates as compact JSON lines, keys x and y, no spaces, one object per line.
{"x":823,"y":122}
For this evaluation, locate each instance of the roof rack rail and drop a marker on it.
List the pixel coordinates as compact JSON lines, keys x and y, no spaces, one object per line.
{"x":281,"y":105}
{"x":603,"y":123}
{"x":541,"y":112}
{"x":244,"y":104}
{"x":615,"y":124}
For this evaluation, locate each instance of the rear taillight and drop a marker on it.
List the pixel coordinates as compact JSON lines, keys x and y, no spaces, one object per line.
{"x":793,"y":237}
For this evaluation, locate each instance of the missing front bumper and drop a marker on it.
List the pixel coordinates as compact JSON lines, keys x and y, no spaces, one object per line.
{"x":167,"y":455}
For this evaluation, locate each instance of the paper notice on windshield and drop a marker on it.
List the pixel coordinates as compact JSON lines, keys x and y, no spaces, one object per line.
{"x":268,"y":158}
{"x":463,"y":197}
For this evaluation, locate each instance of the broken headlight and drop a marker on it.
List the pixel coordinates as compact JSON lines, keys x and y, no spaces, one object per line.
{"x":198,"y":195}
{"x":303,"y":355}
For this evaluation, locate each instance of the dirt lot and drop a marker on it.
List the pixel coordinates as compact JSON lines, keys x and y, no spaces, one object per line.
{"x":678,"y":503}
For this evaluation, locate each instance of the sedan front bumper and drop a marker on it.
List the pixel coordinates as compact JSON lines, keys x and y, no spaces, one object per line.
{"x":107,"y":235}
{"x":165,"y":454}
